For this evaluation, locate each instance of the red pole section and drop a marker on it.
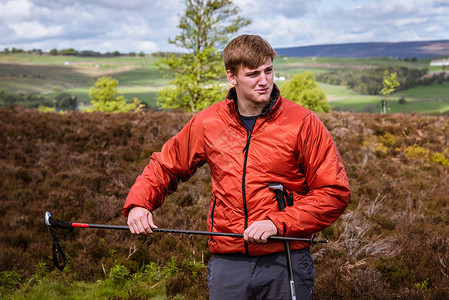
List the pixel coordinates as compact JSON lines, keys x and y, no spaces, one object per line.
{"x":80,"y":225}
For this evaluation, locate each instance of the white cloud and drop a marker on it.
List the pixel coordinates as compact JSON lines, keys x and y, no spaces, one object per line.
{"x":269,"y":8}
{"x":383,"y":20}
{"x":14,"y":10}
{"x":142,"y":25}
{"x":35,"y":30}
{"x":282,"y":23}
{"x":146,"y":47}
{"x":409,"y":21}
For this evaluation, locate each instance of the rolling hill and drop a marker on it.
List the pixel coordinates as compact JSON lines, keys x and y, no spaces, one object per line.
{"x":422,"y":49}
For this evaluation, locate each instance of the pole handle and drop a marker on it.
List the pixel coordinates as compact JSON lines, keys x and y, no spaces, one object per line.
{"x":57,"y":223}
{"x":280,"y":199}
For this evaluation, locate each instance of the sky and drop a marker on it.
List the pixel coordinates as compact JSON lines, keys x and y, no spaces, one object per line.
{"x":146,"y":25}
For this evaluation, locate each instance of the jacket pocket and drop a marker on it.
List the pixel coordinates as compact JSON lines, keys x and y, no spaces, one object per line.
{"x":212,"y":211}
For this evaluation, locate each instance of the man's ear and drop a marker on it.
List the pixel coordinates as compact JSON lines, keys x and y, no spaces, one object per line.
{"x":231,"y":77}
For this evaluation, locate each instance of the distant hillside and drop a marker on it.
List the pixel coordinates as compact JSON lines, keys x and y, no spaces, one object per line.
{"x":364,"y":50}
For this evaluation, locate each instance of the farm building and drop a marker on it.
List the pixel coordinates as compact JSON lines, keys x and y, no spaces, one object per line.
{"x":440,"y":62}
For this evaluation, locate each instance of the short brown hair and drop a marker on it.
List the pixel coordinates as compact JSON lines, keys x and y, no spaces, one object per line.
{"x":250,"y":51}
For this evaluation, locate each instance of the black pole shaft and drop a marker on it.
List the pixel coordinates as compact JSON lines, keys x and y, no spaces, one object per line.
{"x":282,"y":204}
{"x":198,"y":232}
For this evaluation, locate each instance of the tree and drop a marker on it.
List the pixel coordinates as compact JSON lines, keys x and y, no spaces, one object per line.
{"x":390,"y":83}
{"x":205,"y":26}
{"x":69,"y":51}
{"x":304,"y":90}
{"x":66,"y":101}
{"x":103,"y":97}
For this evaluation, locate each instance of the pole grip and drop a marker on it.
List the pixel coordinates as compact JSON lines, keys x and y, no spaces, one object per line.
{"x":280,"y":199}
{"x":51,"y":222}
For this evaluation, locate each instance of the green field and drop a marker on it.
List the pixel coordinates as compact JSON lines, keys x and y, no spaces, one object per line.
{"x":424,"y":99}
{"x":436,"y":91}
{"x":139,"y":77}
{"x":371,"y":104}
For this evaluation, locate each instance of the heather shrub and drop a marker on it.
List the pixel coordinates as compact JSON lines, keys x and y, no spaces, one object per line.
{"x":391,"y":242}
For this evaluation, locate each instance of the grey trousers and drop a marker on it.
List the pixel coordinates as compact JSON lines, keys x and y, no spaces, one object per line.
{"x":238,"y":276}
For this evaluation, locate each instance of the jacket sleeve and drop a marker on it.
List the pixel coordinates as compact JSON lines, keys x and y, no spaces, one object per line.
{"x":328,"y":188}
{"x":178,"y":160}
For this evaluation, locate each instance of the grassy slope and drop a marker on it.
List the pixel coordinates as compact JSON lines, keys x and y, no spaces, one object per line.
{"x":51,"y":75}
{"x":139,"y":77}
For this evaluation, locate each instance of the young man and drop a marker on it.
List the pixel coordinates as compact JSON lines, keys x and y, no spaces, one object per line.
{"x":252,"y":139}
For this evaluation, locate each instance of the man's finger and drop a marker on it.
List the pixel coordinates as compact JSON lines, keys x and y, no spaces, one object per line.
{"x":146,"y":226}
{"x":131,"y":228}
{"x":150,"y":220}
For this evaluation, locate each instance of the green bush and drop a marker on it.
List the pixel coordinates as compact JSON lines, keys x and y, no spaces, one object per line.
{"x":416,"y":152}
{"x":304,"y":90}
{"x":440,"y":158}
{"x":9,"y":280}
{"x":170,"y":269}
{"x":118,"y":275}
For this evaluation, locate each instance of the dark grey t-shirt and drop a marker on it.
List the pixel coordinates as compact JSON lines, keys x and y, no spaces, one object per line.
{"x":249,"y":121}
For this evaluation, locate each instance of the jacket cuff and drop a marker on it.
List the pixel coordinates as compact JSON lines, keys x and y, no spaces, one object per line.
{"x":279,"y":225}
{"x":128,"y":207}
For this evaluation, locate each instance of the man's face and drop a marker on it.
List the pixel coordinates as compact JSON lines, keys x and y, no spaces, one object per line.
{"x":253,"y":86}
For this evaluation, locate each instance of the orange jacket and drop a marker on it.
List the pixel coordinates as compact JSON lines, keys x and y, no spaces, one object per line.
{"x":288,"y":145}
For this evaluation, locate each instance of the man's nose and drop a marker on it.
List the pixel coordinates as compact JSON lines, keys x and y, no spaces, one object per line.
{"x":263,"y":80}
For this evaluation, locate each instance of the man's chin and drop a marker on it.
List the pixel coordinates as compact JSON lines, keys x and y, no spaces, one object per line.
{"x":264,"y":99}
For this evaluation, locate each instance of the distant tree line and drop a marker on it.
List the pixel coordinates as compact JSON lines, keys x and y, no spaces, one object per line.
{"x":412,"y":59}
{"x":63,"y":101}
{"x":18,"y":50}
{"x":369,"y":82}
{"x":72,"y":52}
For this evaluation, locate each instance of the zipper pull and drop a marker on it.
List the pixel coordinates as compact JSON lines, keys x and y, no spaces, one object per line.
{"x":247,"y":143}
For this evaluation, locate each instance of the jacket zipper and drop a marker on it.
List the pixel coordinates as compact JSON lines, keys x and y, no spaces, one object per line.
{"x":245,"y":207}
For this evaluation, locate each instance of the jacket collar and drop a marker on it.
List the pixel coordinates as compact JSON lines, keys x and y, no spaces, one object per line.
{"x":273,"y":105}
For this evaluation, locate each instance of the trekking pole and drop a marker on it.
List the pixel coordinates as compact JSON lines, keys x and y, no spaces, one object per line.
{"x":279,"y":191}
{"x":58,"y":253}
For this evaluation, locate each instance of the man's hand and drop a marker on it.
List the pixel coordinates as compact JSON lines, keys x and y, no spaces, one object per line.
{"x":259,"y":231}
{"x":140,"y":220}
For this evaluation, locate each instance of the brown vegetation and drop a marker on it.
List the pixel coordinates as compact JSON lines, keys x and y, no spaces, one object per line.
{"x":392,"y":242}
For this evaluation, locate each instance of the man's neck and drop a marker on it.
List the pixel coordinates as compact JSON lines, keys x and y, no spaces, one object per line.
{"x":250,"y":109}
